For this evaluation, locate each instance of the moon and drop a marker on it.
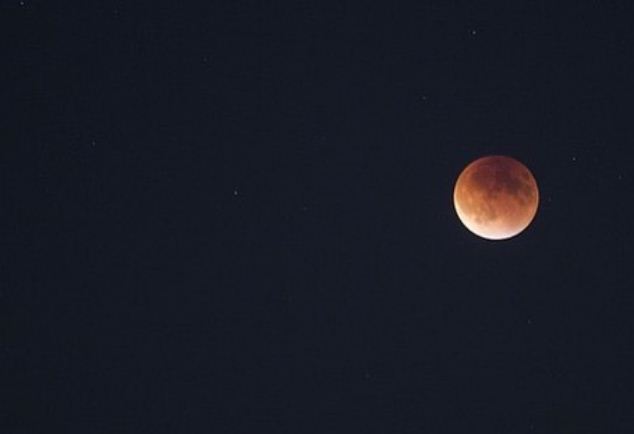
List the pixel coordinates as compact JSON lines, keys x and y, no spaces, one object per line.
{"x":496,"y":197}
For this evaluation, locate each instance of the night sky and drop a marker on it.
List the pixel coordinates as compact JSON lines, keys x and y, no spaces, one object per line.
{"x":228,"y":217}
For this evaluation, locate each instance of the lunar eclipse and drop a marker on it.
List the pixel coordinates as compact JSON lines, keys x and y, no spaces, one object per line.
{"x":496,"y":197}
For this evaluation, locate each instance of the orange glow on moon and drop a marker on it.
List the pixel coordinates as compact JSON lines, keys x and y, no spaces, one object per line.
{"x":496,"y":197}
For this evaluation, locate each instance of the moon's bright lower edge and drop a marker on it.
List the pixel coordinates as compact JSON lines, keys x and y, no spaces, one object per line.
{"x":496,"y":197}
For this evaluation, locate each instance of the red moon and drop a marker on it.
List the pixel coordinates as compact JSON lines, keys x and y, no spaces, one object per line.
{"x":496,"y":197}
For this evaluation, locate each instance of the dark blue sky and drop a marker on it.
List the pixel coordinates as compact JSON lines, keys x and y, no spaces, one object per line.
{"x":237,"y":218}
